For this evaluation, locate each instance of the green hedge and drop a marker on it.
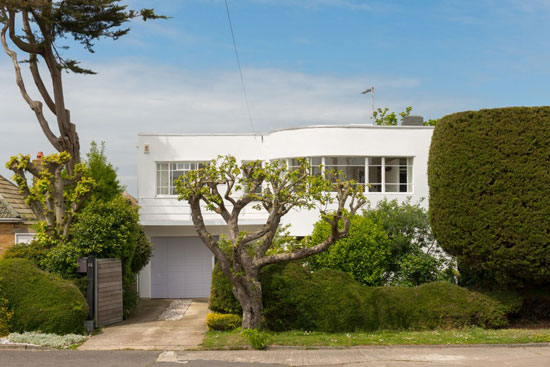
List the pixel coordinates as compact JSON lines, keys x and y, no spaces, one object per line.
{"x":222,"y":321}
{"x":40,"y":301}
{"x":489,"y":179}
{"x":330,"y":300}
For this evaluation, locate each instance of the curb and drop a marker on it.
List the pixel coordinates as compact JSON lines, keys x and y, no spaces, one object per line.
{"x":412,"y":346}
{"x":22,"y":347}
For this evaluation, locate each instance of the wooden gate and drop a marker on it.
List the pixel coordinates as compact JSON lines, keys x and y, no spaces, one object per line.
{"x":108,"y":291}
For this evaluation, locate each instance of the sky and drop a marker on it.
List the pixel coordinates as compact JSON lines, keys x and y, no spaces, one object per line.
{"x":304,"y":62}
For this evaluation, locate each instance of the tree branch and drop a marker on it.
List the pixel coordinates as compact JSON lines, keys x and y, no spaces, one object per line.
{"x":22,"y":45}
{"x":36,"y":106}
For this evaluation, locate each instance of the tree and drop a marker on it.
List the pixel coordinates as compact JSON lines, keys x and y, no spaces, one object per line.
{"x":227,"y":188}
{"x":383,"y":118}
{"x":35,"y":27}
{"x":107,"y":186}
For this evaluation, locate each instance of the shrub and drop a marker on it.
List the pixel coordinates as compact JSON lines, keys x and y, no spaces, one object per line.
{"x":222,"y":322}
{"x":391,"y":244}
{"x":5,"y":317}
{"x":437,"y":305}
{"x":364,"y":254}
{"x":34,"y":252}
{"x":415,"y":257}
{"x":489,"y":174}
{"x":257,"y":339}
{"x":104,"y":229}
{"x":221,"y":294}
{"x":41,"y":301}
{"x":295,"y":297}
{"x":47,"y":340}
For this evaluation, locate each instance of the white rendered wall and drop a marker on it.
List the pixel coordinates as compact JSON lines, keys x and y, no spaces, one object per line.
{"x":166,"y":216}
{"x":166,"y":210}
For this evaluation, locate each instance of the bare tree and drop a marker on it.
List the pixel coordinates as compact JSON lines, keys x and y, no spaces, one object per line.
{"x":225,"y":187}
{"x":34,"y":27}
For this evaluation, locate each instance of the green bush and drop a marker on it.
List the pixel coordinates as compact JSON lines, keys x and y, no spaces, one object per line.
{"x":222,"y":321}
{"x":437,"y":305}
{"x":221,"y":298}
{"x":41,"y":301}
{"x":391,"y":244}
{"x":104,"y":229}
{"x":5,"y":317}
{"x":34,"y":252}
{"x":365,"y":254}
{"x":295,"y":297}
{"x":489,"y":179}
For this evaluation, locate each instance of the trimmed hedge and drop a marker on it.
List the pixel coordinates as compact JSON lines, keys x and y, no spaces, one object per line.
{"x":40,"y":301}
{"x":489,"y":179}
{"x":222,"y":322}
{"x":330,"y":300}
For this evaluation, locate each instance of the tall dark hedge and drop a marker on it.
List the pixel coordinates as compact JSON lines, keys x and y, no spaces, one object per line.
{"x":489,"y":179}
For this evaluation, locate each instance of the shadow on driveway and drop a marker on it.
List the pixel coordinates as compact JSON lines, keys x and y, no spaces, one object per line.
{"x":144,"y":331}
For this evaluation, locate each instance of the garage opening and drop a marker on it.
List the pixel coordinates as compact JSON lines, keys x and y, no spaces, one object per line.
{"x":181,"y":267}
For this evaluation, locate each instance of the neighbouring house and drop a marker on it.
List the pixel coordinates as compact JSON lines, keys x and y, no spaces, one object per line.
{"x":16,"y":217}
{"x":391,"y":159}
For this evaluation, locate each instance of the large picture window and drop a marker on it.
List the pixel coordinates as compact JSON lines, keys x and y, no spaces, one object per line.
{"x":167,"y":173}
{"x":380,"y":174}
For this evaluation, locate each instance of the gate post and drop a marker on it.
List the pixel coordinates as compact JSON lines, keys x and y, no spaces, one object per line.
{"x":91,"y":292}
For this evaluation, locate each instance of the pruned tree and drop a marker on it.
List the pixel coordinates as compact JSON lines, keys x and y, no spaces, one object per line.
{"x":35,"y":28}
{"x":225,"y":187}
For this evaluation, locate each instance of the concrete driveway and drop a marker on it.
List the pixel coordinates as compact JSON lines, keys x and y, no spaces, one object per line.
{"x":143,"y":330}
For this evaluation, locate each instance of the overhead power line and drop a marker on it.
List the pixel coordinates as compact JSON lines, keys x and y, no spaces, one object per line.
{"x":240,"y":69}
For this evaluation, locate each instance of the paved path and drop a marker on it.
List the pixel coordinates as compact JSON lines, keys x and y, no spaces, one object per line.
{"x":144,"y":332}
{"x":417,"y":356}
{"x":429,"y":356}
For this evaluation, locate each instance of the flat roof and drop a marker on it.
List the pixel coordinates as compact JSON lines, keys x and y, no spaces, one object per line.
{"x":350,"y":126}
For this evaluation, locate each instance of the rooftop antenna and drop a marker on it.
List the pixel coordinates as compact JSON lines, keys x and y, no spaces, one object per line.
{"x":371,"y":91}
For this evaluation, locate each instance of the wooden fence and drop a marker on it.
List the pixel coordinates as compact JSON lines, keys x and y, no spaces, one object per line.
{"x":108,"y":299}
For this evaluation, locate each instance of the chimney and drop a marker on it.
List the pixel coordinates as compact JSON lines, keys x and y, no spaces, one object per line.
{"x":37,"y":162}
{"x":413,"y":121}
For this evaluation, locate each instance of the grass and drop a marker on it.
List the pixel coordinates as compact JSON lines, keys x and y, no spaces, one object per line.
{"x":234,"y":339}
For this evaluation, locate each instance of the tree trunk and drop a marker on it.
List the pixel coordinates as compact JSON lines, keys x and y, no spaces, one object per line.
{"x":250,"y":298}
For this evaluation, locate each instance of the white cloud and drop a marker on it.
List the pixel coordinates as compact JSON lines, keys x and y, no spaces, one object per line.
{"x":126,"y":98}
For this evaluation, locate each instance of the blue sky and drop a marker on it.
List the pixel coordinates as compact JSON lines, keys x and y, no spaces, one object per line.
{"x":304,"y":62}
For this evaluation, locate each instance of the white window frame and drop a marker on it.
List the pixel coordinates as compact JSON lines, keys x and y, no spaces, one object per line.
{"x":19,"y":237}
{"x":410,"y":180}
{"x":171,"y":184}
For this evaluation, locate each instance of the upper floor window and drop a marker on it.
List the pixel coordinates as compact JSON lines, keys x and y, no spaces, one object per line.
{"x":390,"y":174}
{"x":315,"y":164}
{"x":167,"y":173}
{"x":382,"y":174}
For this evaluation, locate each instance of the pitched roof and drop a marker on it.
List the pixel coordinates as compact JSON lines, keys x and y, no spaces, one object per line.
{"x":12,"y":204}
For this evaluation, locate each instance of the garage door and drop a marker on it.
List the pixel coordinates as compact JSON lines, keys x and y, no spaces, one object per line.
{"x":181,"y":267}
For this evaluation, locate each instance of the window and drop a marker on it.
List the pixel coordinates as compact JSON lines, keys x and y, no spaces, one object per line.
{"x":390,"y":174}
{"x":259,"y":188}
{"x":314,"y":164}
{"x":345,"y":168}
{"x":167,"y":173}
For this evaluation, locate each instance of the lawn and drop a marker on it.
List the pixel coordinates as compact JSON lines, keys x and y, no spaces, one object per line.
{"x":234,"y":340}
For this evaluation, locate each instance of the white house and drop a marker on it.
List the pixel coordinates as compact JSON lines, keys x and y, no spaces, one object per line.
{"x":391,"y":159}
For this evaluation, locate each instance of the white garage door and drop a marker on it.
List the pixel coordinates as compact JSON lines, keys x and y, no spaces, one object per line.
{"x":181,"y":267}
